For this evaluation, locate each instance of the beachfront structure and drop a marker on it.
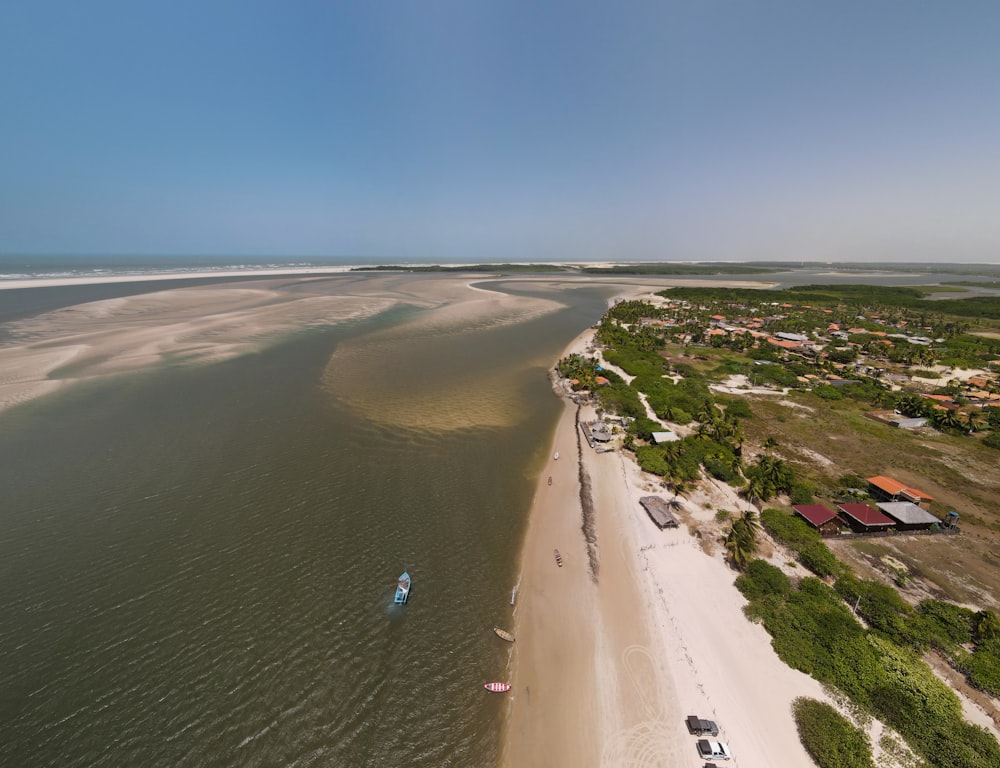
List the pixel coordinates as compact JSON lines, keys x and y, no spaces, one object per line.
{"x":888,"y":489}
{"x":865,"y":519}
{"x":665,"y":437}
{"x":821,"y":517}
{"x":601,"y":431}
{"x":897,"y":419}
{"x":659,"y":512}
{"x":908,"y":516}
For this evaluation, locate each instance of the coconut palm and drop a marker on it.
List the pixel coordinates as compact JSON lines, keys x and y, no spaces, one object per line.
{"x":741,"y":543}
{"x":971,"y":421}
{"x":947,"y":419}
{"x":757,"y":488}
{"x":751,"y":522}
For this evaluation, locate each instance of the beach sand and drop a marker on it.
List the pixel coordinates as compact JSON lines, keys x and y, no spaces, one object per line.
{"x":606,"y":670}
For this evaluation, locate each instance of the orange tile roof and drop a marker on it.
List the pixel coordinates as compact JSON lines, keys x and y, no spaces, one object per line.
{"x":894,"y":487}
{"x":784,"y":344}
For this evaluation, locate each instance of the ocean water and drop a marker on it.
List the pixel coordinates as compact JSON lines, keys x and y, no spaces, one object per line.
{"x":197,"y":563}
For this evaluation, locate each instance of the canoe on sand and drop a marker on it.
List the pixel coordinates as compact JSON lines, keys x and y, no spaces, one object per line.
{"x":503,"y":634}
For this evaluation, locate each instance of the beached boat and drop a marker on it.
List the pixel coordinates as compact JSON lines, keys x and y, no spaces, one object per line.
{"x":513,"y":594}
{"x":503,"y":634}
{"x":558,"y":557}
{"x":497,"y":687}
{"x":402,"y":588}
{"x":556,"y":456}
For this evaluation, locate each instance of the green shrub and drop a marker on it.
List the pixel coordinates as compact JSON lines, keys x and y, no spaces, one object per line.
{"x":762,"y":579}
{"x":949,"y":624}
{"x":739,"y":409}
{"x":651,"y":458}
{"x":722,"y":470}
{"x":829,"y":737}
{"x":826,"y":392}
{"x":801,"y":492}
{"x":819,"y":559}
{"x":644,"y":427}
{"x":790,"y":530}
{"x":983,"y":667}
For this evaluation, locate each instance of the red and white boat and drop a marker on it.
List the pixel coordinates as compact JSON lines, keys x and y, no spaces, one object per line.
{"x":497,"y":687}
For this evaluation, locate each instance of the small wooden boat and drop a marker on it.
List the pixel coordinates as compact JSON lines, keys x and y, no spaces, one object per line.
{"x":497,"y":687}
{"x":550,"y":479}
{"x":558,"y":557}
{"x":503,"y":634}
{"x":402,"y":589}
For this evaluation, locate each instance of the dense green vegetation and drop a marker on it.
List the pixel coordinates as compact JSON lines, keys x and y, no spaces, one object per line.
{"x":666,"y":268}
{"x":804,"y":540}
{"x":829,"y":737}
{"x":876,"y":297}
{"x":813,"y":630}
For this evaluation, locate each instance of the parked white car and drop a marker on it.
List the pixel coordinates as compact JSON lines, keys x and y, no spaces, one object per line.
{"x":713,"y":750}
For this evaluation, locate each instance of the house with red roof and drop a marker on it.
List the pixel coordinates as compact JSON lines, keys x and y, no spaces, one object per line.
{"x":821,"y":517}
{"x":863,"y":518}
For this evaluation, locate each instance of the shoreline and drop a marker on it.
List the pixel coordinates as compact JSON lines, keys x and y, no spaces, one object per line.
{"x":605,"y":670}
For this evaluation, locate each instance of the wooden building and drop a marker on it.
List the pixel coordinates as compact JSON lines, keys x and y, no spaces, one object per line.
{"x":659,"y":512}
{"x":888,"y":489}
{"x":865,"y":519}
{"x":821,"y":517}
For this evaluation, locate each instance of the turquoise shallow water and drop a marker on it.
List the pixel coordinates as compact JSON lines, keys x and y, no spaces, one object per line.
{"x":197,"y":564}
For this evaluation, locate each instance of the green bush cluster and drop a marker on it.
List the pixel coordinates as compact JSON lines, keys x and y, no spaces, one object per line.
{"x":618,"y":397}
{"x":636,"y":362}
{"x":829,"y":737}
{"x":813,"y":630}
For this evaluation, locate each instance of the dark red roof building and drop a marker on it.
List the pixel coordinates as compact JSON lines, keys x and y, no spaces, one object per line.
{"x":865,"y":519}
{"x":822,"y":518}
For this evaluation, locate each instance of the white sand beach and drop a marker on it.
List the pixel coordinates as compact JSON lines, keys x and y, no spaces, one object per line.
{"x":606,"y":672}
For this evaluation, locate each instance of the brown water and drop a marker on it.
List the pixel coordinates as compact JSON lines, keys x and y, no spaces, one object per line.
{"x":197,"y":564}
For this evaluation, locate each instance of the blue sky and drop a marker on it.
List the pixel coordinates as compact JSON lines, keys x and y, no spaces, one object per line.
{"x":431,"y":131}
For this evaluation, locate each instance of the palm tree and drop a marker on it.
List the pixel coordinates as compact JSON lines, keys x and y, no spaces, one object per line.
{"x":971,"y":421}
{"x":751,"y":522}
{"x":947,"y":419}
{"x":769,"y":444}
{"x":741,"y":543}
{"x":736,"y":465}
{"x":757,"y":489}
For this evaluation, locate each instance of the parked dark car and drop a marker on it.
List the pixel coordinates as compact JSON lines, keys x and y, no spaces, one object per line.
{"x":698,"y":727}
